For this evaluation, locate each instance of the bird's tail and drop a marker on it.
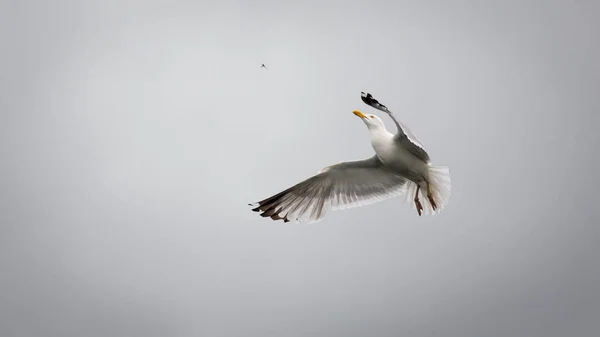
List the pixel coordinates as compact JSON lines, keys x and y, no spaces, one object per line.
{"x":440,"y":186}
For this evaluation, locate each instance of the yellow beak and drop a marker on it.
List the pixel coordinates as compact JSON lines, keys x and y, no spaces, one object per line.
{"x":359,"y":114}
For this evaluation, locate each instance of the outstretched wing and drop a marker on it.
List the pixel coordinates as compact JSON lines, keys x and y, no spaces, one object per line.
{"x":404,"y":137}
{"x":340,"y":186}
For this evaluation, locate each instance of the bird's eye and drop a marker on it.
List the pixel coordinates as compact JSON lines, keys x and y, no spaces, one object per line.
{"x":372,"y":116}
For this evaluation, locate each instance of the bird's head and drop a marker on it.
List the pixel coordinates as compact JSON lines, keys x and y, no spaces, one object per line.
{"x":372,"y":121}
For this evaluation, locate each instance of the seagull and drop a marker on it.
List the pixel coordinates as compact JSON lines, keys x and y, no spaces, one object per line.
{"x":400,"y":167}
{"x":264,"y":66}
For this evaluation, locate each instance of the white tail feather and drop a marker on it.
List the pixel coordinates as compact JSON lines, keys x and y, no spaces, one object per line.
{"x":440,"y":185}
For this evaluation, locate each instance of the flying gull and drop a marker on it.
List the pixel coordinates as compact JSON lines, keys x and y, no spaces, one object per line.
{"x":400,"y":167}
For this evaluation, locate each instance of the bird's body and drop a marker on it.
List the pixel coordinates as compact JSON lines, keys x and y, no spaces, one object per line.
{"x":396,"y":157}
{"x":400,"y":166}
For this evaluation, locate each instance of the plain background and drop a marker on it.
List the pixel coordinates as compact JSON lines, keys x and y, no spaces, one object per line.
{"x":135,"y":133}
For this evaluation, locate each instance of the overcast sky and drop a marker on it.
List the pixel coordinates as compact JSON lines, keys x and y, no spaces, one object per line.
{"x":134,"y":134}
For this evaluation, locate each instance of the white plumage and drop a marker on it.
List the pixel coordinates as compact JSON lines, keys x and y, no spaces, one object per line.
{"x":400,"y":166}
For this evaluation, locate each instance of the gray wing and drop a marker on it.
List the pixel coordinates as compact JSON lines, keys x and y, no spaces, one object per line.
{"x":340,"y":186}
{"x":409,"y":141}
{"x":404,"y":137}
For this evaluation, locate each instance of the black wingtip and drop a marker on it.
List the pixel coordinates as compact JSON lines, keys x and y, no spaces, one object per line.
{"x":368,"y":99}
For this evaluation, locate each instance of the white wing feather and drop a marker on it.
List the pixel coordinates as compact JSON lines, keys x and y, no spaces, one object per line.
{"x":340,"y":186}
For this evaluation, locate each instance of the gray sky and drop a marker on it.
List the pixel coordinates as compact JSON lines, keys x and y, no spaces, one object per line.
{"x":134,"y":134}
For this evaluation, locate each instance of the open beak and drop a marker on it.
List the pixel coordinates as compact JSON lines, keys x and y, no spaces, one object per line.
{"x":359,"y":114}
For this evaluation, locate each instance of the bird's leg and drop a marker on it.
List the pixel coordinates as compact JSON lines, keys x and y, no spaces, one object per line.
{"x":417,"y":202}
{"x":430,"y":197}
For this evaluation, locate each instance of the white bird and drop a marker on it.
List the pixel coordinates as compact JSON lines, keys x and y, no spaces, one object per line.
{"x":400,"y":166}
